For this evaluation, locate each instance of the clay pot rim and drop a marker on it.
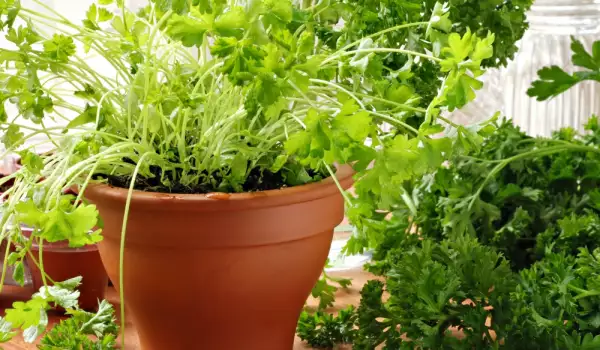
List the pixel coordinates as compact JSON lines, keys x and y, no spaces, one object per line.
{"x":224,"y":201}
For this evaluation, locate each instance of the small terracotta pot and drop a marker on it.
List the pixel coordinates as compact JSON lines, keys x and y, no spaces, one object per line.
{"x":238,"y":267}
{"x":7,"y":185}
{"x":62,"y":263}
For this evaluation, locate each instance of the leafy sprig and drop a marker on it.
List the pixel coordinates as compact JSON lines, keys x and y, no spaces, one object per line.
{"x":553,"y":80}
{"x":74,"y":332}
{"x":325,"y":331}
{"x":326,"y":287}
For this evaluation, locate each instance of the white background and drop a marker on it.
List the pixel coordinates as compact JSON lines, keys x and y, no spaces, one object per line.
{"x":75,"y":10}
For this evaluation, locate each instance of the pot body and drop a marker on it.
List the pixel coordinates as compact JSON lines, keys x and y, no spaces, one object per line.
{"x":219,"y":271}
{"x":62,"y":263}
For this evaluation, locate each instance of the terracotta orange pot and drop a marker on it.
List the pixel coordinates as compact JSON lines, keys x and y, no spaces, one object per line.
{"x":4,"y":187}
{"x":62,"y":263}
{"x":238,"y":267}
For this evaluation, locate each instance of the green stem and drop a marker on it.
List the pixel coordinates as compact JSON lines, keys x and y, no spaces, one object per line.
{"x":541,"y":151}
{"x":448,"y":121}
{"x":582,"y":293}
{"x":381,"y":50}
{"x":41,"y":254}
{"x":337,"y":183}
{"x":122,"y":245}
{"x":392,"y":103}
{"x":36,"y":263}
{"x":340,"y":88}
{"x":391,"y":29}
{"x":393,"y":121}
{"x":5,"y":263}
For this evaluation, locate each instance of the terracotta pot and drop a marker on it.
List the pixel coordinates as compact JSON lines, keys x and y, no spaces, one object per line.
{"x":4,"y":187}
{"x":62,"y":263}
{"x":219,"y":271}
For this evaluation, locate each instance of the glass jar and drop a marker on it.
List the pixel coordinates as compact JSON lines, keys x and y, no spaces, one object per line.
{"x":547,"y":42}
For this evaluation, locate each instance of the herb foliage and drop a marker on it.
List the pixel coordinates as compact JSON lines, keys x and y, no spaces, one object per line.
{"x":221,"y":96}
{"x":501,"y":245}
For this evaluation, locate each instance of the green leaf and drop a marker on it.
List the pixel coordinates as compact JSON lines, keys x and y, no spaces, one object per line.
{"x":298,"y":143}
{"x":582,"y":58}
{"x":458,"y":49}
{"x":275,"y":109}
{"x":89,"y":115}
{"x":100,"y":324}
{"x":324,"y":331}
{"x":104,"y":15}
{"x":19,"y":273}
{"x":178,"y":6}
{"x":239,"y":167}
{"x":224,"y":47}
{"x":89,"y":92}
{"x":28,"y":214}
{"x":28,"y":314}
{"x":483,"y":48}
{"x":311,"y":66}
{"x":306,"y":43}
{"x":13,"y":137}
{"x":189,"y":30}
{"x":59,"y":48}
{"x":553,"y":80}
{"x":72,"y":225}
{"x":70,"y":284}
{"x":301,"y":80}
{"x":463,"y":91}
{"x":92,"y":13}
{"x":399,"y":93}
{"x":282,"y":9}
{"x":357,"y":125}
{"x":440,"y":19}
{"x":429,"y":129}
{"x":32,"y":161}
{"x":13,"y":258}
{"x":66,"y":298}
{"x":119,"y":25}
{"x":279,"y":162}
{"x":3,"y":115}
{"x":232,"y":21}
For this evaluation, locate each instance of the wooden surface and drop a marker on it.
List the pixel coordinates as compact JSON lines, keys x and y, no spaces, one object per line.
{"x":343,"y":299}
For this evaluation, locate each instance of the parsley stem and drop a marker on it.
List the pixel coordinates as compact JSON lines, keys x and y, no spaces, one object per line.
{"x":115,"y":149}
{"x":536,"y":152}
{"x":122,"y":245}
{"x":36,"y":263}
{"x":381,"y":32}
{"x":41,"y":261}
{"x":5,"y":262}
{"x":395,"y":122}
{"x":340,"y":88}
{"x":337,"y":183}
{"x":587,"y":294}
{"x":380,"y":49}
{"x":448,"y":121}
{"x":64,"y":19}
{"x":392,"y":103}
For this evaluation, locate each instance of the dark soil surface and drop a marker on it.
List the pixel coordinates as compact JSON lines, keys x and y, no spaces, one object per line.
{"x":5,"y":187}
{"x":257,"y":180}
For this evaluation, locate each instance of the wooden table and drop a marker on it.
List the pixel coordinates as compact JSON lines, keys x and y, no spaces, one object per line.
{"x":343,"y":299}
